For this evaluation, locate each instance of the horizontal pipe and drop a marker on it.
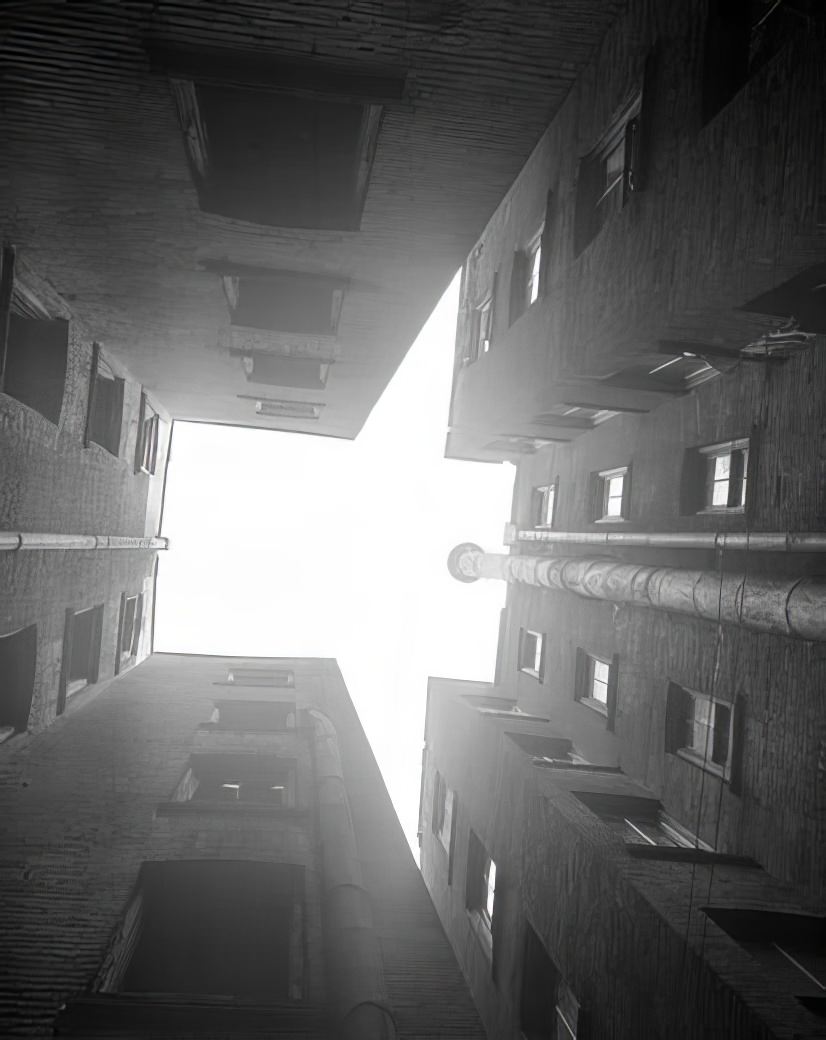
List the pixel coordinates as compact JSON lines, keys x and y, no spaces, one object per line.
{"x":762,"y":541}
{"x":795,"y":608}
{"x":14,"y":541}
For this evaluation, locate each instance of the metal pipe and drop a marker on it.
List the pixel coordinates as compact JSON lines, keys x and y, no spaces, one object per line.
{"x":762,"y":541}
{"x":795,"y":608}
{"x":14,"y":541}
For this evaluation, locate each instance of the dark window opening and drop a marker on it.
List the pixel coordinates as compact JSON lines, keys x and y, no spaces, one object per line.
{"x":278,"y":159}
{"x":741,"y":37}
{"x":129,"y":630}
{"x":526,"y":281}
{"x":105,"y":414}
{"x":553,"y":748}
{"x":286,"y":301}
{"x":226,"y":929}
{"x":284,"y":409}
{"x":146,"y":448}
{"x":34,"y":371}
{"x":81,"y":652}
{"x":236,"y":779}
{"x":700,"y":729}
{"x":18,"y":659}
{"x":548,"y":1009}
{"x":284,"y":370}
{"x":791,"y":948}
{"x":802,"y":298}
{"x":255,"y":716}
{"x":480,"y":888}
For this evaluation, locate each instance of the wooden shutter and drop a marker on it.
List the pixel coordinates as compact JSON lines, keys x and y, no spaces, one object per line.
{"x":726,"y":54}
{"x":545,"y":259}
{"x":580,"y":674}
{"x":94,"y":645}
{"x":588,"y":190}
{"x":65,"y":661}
{"x":613,"y":682}
{"x":140,"y":438}
{"x":451,"y":856}
{"x":626,"y":493}
{"x":639,"y":132}
{"x":519,"y":274}
{"x":596,"y":495}
{"x":136,"y":628}
{"x":738,"y":739}
{"x":692,"y":482}
{"x":755,"y":437}
{"x":678,"y":702}
{"x":119,"y":646}
{"x":494,"y":292}
{"x":90,"y":407}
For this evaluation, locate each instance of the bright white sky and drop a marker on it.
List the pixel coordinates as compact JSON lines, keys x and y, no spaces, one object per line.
{"x":296,"y":546}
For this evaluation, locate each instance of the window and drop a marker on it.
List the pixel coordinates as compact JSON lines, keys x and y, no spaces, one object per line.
{"x":129,"y":630}
{"x":481,"y":881}
{"x":146,"y":448}
{"x":595,"y":683}
{"x":574,"y":416}
{"x":283,"y":301}
{"x":242,"y":676}
{"x":791,"y":949}
{"x":304,"y":373}
{"x":33,"y":346}
{"x":280,"y":141}
{"x":670,"y":375}
{"x":254,"y":716}
{"x":544,"y":505}
{"x":700,"y":729}
{"x":548,"y":1009}
{"x":801,"y":298}
{"x":81,"y":652}
{"x":481,"y":331}
{"x":229,"y":781}
{"x":229,"y":929}
{"x":741,"y":39}
{"x":608,"y":174}
{"x":639,"y":821}
{"x":18,"y":659}
{"x":554,"y":749}
{"x":105,"y":415}
{"x":526,"y":277}
{"x":715,"y":478}
{"x":611,"y":495}
{"x":285,"y":409}
{"x":443,"y":817}
{"x":532,"y":653}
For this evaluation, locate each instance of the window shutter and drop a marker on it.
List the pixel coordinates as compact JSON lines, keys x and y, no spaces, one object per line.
{"x":626,"y":494}
{"x":639,"y":131}
{"x":738,"y":736}
{"x":518,"y":286}
{"x":140,"y":437}
{"x":676,"y":712}
{"x":435,"y":822}
{"x":580,"y":673}
{"x":545,"y":259}
{"x":65,"y":661}
{"x":94,"y":645}
{"x":494,"y":292}
{"x":116,"y":416}
{"x":452,"y":851}
{"x":596,"y":493}
{"x":90,"y":407}
{"x":136,"y":630}
{"x":119,"y":646}
{"x":542,"y":652}
{"x":692,"y":482}
{"x":751,"y":473}
{"x":613,"y":681}
{"x":588,"y":191}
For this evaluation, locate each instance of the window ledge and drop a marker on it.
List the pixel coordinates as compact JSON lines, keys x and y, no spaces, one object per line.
{"x":532,"y":673}
{"x":594,"y":705}
{"x":196,"y":808}
{"x":721,"y":772}
{"x":611,"y":520}
{"x":717,"y":510}
{"x":679,"y":854}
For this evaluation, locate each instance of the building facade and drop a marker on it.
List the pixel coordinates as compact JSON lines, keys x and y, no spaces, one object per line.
{"x":207,"y":848}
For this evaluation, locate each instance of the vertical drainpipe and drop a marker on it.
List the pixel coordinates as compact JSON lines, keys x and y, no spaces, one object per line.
{"x":357,"y":994}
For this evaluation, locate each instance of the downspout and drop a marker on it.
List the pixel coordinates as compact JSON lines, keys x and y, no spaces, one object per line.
{"x":16,"y":541}
{"x":790,"y":608}
{"x":758,"y":541}
{"x":358,"y":997}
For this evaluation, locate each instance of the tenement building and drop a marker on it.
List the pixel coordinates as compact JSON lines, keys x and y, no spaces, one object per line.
{"x":207,"y":849}
{"x":625,"y":833}
{"x":224,"y":213}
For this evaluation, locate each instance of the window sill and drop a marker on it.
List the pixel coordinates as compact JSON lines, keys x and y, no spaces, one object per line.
{"x":678,"y":854}
{"x":718,"y":510}
{"x":610,"y":520}
{"x":532,"y":673}
{"x":721,"y":772}
{"x":594,"y":705}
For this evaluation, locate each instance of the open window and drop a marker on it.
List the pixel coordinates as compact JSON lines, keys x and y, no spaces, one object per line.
{"x":105,"y":412}
{"x":34,"y":354}
{"x":278,"y":140}
{"x":526,"y":281}
{"x":543,"y":505}
{"x":146,"y":445}
{"x":215,"y":782}
{"x":254,"y":716}
{"x":18,"y":659}
{"x":595,"y":683}
{"x":129,"y":630}
{"x":480,"y":889}
{"x":304,"y":373}
{"x":284,"y":301}
{"x":80,"y":664}
{"x":790,"y":948}
{"x":226,"y":929}
{"x":551,"y":749}
{"x":700,"y":729}
{"x":242,"y":676}
{"x":609,"y":173}
{"x":715,"y":478}
{"x":548,"y":1009}
{"x":611,"y":495}
{"x":639,"y":820}
{"x":675,"y":374}
{"x":532,"y":653}
{"x":443,"y":816}
{"x":740,"y":39}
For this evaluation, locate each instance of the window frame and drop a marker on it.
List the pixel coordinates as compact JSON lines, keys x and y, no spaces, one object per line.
{"x":602,"y":498}
{"x":585,"y":695}
{"x":71,"y":687}
{"x":532,"y":664}
{"x":216,"y":771}
{"x":543,"y":517}
{"x":101,"y":371}
{"x":480,"y":891}
{"x":738,"y":483}
{"x":678,"y":722}
{"x":18,"y":673}
{"x":146,"y":442}
{"x":126,"y":657}
{"x":533,"y":268}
